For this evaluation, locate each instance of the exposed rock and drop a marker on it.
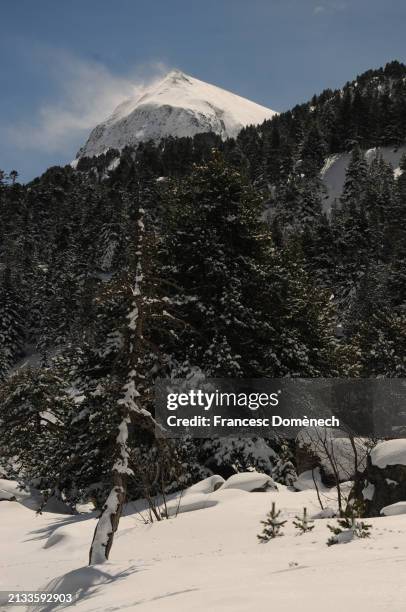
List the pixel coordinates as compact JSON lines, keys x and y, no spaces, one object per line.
{"x":384,"y":482}
{"x":224,"y":469}
{"x":306,"y":459}
{"x":333,"y":454}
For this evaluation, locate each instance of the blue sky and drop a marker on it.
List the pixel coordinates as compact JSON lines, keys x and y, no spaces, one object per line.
{"x":65,"y":65}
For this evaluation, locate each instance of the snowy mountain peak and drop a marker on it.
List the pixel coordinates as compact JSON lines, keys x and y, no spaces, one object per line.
{"x":178,"y":105}
{"x":176,"y":74}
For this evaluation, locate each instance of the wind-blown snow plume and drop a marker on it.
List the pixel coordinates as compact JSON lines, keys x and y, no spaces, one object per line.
{"x":85,"y":92}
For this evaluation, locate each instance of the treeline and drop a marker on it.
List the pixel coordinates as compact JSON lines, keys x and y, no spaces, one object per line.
{"x":369,"y":111}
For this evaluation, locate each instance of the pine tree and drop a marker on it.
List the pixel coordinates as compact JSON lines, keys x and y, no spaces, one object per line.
{"x":272,"y":525}
{"x":284,"y":470}
{"x":355,"y":179}
{"x":348,"y":528}
{"x":350,"y":231}
{"x":13,"y":176}
{"x":138,"y":365}
{"x":242,"y":303}
{"x":395,"y":240}
{"x":303,"y":523}
{"x":129,"y":410}
{"x":378,"y":203}
{"x":319,"y":252}
{"x":11,"y":321}
{"x":34,"y":421}
{"x":381,"y":344}
{"x":313,"y":153}
{"x":298,"y":203}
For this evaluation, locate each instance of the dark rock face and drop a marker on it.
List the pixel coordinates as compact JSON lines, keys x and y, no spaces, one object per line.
{"x":306,"y":459}
{"x":389,"y":487}
{"x":310,"y":457}
{"x":222,"y":469}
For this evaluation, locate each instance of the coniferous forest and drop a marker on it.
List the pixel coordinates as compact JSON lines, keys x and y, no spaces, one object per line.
{"x":196,"y":255}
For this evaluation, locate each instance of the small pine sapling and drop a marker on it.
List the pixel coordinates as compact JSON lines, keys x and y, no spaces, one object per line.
{"x":361,"y":529}
{"x":272,"y":525}
{"x":303,"y":523}
{"x":348,"y":528}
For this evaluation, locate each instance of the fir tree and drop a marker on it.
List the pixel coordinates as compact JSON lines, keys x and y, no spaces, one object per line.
{"x":136,"y":368}
{"x":35,"y":433}
{"x":272,"y":525}
{"x":243,"y":303}
{"x":395,"y":240}
{"x":11,"y":321}
{"x":381,"y":344}
{"x":284,"y":470}
{"x":348,"y":528}
{"x":355,"y":179}
{"x":303,"y":523}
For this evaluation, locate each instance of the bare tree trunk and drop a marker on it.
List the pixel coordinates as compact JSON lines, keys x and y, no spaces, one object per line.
{"x":108,"y":521}
{"x":333,"y":464}
{"x":316,"y":486}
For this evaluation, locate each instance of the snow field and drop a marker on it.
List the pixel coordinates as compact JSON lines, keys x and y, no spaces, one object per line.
{"x":208,"y":559}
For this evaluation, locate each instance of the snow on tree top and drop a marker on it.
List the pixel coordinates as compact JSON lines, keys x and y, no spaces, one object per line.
{"x":178,"y":105}
{"x":391,"y":452}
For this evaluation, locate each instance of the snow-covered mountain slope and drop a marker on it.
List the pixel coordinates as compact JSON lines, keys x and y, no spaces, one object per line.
{"x":179,"y":105}
{"x":208,"y":558}
{"x":333,"y":172}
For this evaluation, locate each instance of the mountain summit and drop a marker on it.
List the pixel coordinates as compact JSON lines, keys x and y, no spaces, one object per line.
{"x":178,"y":105}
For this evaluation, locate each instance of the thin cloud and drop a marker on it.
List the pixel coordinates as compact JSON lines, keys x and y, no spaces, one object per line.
{"x":86,"y":93}
{"x":329,"y":7}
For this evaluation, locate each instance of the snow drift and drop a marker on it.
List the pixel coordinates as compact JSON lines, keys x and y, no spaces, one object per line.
{"x":390,"y":452}
{"x":209,"y":559}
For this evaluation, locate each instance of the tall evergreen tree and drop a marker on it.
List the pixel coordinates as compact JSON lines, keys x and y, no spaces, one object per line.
{"x":245,"y":305}
{"x":11,"y":321}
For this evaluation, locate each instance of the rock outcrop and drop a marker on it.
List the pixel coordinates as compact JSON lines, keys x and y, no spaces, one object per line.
{"x":384,"y":479}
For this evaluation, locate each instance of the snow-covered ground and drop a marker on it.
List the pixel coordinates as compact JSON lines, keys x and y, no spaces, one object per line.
{"x":178,"y":105}
{"x":209,"y":559}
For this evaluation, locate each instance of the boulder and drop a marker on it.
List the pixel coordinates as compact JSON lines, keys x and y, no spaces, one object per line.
{"x":384,"y":480}
{"x":251,"y":482}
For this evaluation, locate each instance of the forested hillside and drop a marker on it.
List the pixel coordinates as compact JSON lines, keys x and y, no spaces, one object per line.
{"x":160,"y":261}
